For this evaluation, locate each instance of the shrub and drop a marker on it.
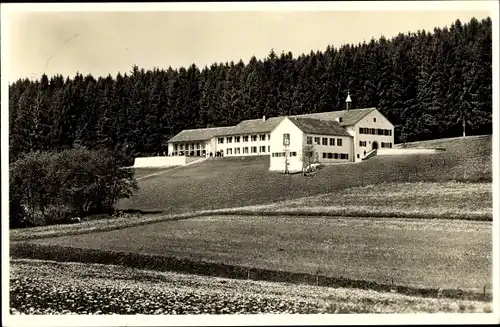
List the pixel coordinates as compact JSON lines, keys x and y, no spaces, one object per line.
{"x":52,"y":187}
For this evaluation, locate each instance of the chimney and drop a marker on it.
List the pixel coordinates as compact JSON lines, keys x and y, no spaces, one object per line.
{"x":263,"y":118}
{"x":348,"y":101}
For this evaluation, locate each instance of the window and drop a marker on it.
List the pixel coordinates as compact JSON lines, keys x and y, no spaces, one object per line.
{"x":316,"y":140}
{"x":236,"y":139}
{"x":198,"y":146}
{"x":293,"y":154}
{"x":269,"y":137}
{"x":192,"y":146}
{"x":220,"y":140}
{"x":203,"y":145}
{"x":357,"y":155}
{"x":263,"y":137}
{"x":229,"y":151}
{"x":245,"y":138}
{"x":229,"y":139}
{"x":286,"y":139}
{"x":373,"y":131}
{"x":386,"y":145}
{"x":175,"y":147}
{"x":245,"y":150}
{"x":309,"y":140}
{"x":324,"y":141}
{"x":236,"y":150}
{"x":374,"y":120}
{"x":254,"y":138}
{"x":335,"y":155}
{"x":330,"y":156}
{"x":339,"y":142}
{"x":268,"y":148}
{"x":254,"y":148}
{"x":324,"y":155}
{"x":262,"y":149}
{"x":362,"y":143}
{"x":332,"y":141}
{"x":182,"y":146}
{"x":340,"y":119}
{"x":342,"y":156}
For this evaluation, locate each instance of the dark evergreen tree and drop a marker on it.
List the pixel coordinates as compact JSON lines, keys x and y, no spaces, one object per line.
{"x":426,"y":84}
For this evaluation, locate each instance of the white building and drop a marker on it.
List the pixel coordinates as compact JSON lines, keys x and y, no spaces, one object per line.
{"x":329,"y":137}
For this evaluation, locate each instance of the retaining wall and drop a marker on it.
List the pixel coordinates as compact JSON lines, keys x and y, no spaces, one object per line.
{"x":159,"y":161}
{"x":402,"y":151}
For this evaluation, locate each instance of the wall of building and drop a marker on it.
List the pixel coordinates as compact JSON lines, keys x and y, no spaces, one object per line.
{"x":292,"y":153}
{"x":281,"y":154}
{"x":194,"y":148}
{"x":332,"y":153}
{"x":374,"y":120}
{"x":160,"y":161}
{"x":231,"y":149}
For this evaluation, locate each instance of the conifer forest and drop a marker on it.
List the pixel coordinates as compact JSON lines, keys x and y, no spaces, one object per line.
{"x":425,"y":82}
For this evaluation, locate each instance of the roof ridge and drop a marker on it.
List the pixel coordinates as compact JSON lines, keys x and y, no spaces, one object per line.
{"x":197,"y":129}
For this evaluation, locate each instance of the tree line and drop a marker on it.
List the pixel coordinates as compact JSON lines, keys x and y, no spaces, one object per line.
{"x":424,"y":82}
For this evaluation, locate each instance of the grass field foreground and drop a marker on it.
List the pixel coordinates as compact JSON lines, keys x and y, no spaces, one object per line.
{"x":422,"y":253}
{"x":107,"y":289}
{"x":447,"y":200}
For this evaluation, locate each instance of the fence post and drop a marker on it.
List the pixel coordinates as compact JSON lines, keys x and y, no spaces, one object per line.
{"x":248,"y":273}
{"x":484,"y":292}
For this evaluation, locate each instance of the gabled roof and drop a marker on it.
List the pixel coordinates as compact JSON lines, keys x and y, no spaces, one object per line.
{"x":253,"y":126}
{"x":201,"y":134}
{"x":349,"y":117}
{"x":318,"y":126}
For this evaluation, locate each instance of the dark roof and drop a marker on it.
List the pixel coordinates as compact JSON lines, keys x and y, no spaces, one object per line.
{"x":253,"y":126}
{"x":349,"y":117}
{"x":201,"y":134}
{"x":318,"y":126}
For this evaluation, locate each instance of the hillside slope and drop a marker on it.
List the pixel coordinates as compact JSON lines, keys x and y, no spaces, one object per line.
{"x":242,"y":181}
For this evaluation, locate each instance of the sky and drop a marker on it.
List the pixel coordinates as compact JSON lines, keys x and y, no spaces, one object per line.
{"x":109,"y":42}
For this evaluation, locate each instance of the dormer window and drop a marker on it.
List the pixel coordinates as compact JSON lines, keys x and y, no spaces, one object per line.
{"x":374,"y":120}
{"x":340,"y":119}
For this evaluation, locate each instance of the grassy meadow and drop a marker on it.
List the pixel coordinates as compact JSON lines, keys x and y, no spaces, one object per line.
{"x":364,"y":221}
{"x":445,"y":200}
{"x":244,"y":181}
{"x":108,"y":289}
{"x":413,"y":252}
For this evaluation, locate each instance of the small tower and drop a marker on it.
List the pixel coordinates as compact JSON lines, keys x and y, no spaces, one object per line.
{"x":348,"y":101}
